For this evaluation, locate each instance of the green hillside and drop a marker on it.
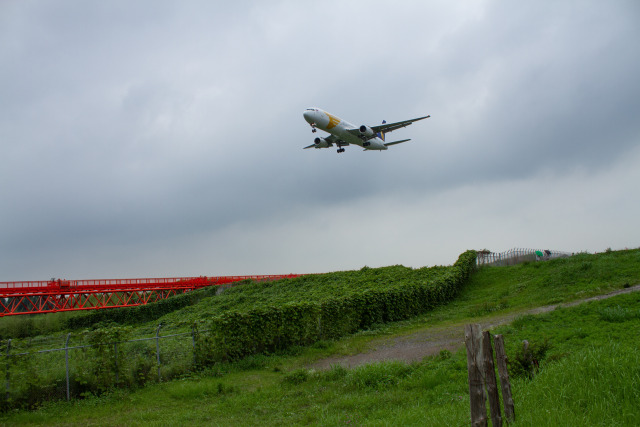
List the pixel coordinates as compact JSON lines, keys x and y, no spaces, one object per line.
{"x":248,"y":319}
{"x":588,"y":361}
{"x":180,"y":312}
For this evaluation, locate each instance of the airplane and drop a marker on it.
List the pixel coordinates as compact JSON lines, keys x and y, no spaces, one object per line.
{"x":342,"y":133}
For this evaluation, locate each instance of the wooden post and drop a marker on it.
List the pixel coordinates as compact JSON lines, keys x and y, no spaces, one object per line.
{"x":8,"y":367}
{"x":66,"y":361}
{"x":507,"y":398}
{"x":473,"y":342}
{"x":158,"y":350}
{"x":490,"y":380}
{"x":115,"y":352}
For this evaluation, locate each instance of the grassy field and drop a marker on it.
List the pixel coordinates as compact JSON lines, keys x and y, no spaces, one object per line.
{"x":589,"y":371}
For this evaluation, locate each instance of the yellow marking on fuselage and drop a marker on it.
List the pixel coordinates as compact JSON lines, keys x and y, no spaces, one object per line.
{"x":333,"y":121}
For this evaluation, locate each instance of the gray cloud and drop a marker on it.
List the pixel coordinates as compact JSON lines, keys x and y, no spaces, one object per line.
{"x":138,"y":139}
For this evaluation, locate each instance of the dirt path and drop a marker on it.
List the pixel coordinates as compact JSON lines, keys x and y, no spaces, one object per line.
{"x":417,"y":345}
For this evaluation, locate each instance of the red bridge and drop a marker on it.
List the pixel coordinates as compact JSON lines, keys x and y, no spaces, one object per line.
{"x":67,"y":295}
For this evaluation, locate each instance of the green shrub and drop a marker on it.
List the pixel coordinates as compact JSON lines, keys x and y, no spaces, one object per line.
{"x":268,"y":328}
{"x":141,"y":313}
{"x":526,"y":362}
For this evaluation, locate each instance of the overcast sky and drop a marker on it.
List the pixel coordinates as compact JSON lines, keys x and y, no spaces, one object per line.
{"x":164,"y":138}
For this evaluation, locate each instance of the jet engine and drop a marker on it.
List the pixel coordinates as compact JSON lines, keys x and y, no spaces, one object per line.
{"x":321,"y":143}
{"x":366,"y":132}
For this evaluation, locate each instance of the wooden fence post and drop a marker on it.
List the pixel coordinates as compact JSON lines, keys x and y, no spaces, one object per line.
{"x":507,"y":398}
{"x":158,"y":350}
{"x":8,"y":367}
{"x":490,"y":380}
{"x":66,"y":361}
{"x":473,"y":342}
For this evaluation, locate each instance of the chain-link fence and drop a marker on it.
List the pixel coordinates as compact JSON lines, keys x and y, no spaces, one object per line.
{"x":76,"y":365}
{"x":516,"y":256}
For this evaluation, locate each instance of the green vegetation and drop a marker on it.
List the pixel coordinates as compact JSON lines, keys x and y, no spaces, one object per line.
{"x":495,"y":290}
{"x":198,"y":306}
{"x":587,"y":364}
{"x":24,"y":326}
{"x":251,"y":296}
{"x":254,"y":318}
{"x":329,"y":309}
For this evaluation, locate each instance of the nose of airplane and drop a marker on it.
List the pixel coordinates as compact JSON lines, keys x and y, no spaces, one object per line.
{"x":308,"y":116}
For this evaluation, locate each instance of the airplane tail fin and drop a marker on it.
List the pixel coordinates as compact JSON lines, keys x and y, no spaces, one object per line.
{"x":381,"y":134}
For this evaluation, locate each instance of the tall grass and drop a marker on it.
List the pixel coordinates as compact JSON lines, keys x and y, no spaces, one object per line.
{"x":594,"y":386}
{"x":32,"y":325}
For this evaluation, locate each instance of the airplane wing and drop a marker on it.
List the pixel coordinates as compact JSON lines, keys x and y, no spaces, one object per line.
{"x":388,"y":127}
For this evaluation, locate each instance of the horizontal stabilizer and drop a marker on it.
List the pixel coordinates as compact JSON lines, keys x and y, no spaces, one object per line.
{"x":396,"y":142}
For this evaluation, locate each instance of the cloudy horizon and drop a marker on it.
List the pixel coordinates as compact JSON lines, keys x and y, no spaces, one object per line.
{"x":164,"y":139}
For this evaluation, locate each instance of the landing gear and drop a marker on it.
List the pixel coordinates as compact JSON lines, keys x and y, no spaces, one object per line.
{"x":340,"y":150}
{"x":313,"y":128}
{"x":366,"y":144}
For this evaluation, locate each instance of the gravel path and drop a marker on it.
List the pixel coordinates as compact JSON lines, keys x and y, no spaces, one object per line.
{"x":417,"y":345}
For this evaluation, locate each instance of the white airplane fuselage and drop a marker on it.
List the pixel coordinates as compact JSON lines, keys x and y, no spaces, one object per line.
{"x":337,"y":127}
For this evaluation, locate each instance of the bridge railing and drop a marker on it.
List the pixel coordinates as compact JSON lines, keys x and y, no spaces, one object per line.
{"x":63,"y":284}
{"x":33,"y":297}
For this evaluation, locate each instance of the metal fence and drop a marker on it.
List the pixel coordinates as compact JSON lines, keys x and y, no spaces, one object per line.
{"x":75,"y":365}
{"x":517,"y":255}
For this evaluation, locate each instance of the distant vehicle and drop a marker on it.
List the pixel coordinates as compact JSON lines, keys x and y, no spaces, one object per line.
{"x":343,"y":133}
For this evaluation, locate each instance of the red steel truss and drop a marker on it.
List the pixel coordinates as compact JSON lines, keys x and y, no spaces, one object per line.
{"x":67,"y":295}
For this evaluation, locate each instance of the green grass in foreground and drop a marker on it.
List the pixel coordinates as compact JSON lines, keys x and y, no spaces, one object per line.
{"x":589,"y":376}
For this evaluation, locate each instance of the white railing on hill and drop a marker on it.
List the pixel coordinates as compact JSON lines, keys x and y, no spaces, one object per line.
{"x":518,"y":255}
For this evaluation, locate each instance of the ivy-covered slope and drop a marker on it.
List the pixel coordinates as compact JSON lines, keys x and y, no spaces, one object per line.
{"x":270,"y":317}
{"x":379,"y":289}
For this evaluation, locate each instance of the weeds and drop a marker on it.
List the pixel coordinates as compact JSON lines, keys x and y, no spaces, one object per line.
{"x":618,"y":314}
{"x":297,"y":377}
{"x":378,"y":375}
{"x":526,"y":362}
